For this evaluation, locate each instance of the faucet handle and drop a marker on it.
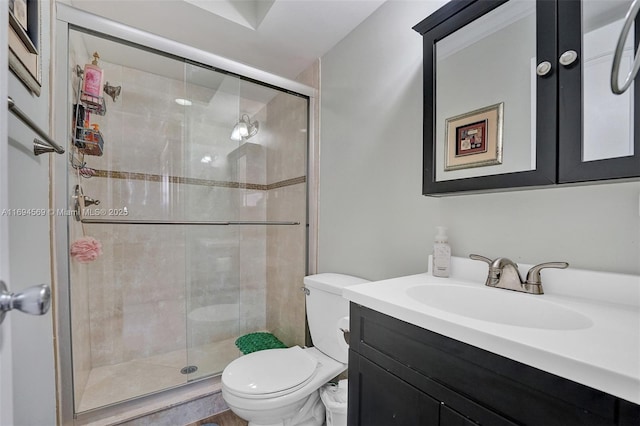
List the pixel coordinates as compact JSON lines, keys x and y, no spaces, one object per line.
{"x":478,"y":257}
{"x":533,"y":276}
{"x":491,"y":276}
{"x":496,"y":264}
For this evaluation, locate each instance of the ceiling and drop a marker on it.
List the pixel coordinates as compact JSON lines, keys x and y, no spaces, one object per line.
{"x":283,"y":37}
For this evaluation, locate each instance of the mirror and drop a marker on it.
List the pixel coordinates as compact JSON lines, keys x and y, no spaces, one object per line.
{"x":607,"y":118}
{"x":485,"y":93}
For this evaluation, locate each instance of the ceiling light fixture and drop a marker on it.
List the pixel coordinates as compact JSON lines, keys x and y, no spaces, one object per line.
{"x":183,"y":102}
{"x":244,"y":129}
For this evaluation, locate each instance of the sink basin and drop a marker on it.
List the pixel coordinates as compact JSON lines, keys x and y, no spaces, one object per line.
{"x":499,"y":306}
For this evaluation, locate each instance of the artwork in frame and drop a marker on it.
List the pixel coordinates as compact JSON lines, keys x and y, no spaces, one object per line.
{"x":474,"y":139}
{"x":24,"y":39}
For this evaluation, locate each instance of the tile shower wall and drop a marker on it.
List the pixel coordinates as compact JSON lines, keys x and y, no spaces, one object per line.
{"x":137,"y":287}
{"x":151,"y":280}
{"x":286,"y":246}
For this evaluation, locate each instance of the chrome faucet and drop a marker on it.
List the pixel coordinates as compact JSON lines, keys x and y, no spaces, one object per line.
{"x":503,"y":273}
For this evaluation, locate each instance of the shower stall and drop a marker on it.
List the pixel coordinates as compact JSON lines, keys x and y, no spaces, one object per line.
{"x":186,"y":221}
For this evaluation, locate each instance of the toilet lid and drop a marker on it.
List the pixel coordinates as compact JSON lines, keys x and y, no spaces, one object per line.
{"x":269,"y":371}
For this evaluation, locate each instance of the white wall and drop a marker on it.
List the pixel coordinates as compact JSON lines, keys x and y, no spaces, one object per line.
{"x":34,"y":389}
{"x":375,"y":223}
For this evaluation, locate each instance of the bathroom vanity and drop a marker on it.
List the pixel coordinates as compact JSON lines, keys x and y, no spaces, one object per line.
{"x":435,"y":351}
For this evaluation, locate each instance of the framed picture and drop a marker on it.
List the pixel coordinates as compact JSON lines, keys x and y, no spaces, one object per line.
{"x":24,"y":39}
{"x":474,"y":139}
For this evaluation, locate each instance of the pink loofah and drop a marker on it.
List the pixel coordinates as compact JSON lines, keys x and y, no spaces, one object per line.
{"x":86,"y":249}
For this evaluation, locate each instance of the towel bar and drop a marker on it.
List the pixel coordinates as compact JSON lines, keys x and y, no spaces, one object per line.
{"x":31,"y":124}
{"x":179,"y":222}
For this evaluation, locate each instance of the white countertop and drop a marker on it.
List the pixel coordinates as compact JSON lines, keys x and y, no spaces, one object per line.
{"x":604,"y":355}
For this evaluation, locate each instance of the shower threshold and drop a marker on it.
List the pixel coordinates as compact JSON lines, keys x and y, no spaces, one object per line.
{"x":111,"y":384}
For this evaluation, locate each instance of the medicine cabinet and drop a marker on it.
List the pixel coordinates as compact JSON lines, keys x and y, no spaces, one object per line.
{"x":517,"y":94}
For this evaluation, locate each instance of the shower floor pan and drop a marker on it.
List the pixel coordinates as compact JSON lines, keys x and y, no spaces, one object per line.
{"x":111,"y":384}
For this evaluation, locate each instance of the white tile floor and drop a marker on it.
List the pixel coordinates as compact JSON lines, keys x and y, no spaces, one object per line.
{"x":120,"y":382}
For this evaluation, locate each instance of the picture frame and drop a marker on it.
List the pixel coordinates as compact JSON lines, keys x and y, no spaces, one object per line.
{"x":474,"y":139}
{"x":24,"y":40}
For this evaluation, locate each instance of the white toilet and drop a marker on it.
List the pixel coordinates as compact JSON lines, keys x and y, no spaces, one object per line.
{"x":280,"y":386}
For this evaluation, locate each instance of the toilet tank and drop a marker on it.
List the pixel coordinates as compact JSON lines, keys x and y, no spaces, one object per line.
{"x":327,"y":312}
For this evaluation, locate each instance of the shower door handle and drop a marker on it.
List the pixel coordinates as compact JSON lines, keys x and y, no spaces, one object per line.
{"x":34,"y":300}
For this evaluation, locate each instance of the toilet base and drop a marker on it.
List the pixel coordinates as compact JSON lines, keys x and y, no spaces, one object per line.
{"x":311,"y":412}
{"x":301,"y":407}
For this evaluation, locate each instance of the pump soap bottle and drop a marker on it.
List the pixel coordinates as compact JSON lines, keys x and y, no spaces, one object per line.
{"x":93,"y":77}
{"x":441,"y":254}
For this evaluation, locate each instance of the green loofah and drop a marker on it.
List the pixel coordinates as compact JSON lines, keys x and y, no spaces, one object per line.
{"x":254,"y":342}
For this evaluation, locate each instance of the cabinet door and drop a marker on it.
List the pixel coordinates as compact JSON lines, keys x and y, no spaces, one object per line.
{"x":382,"y":399}
{"x":601,"y":140}
{"x":449,"y":417}
{"x":490,"y":95}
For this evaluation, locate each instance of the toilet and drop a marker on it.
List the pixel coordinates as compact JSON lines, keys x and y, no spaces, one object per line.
{"x":281,"y":386}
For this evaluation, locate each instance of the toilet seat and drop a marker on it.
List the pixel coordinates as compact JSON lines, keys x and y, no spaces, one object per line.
{"x":269,"y":373}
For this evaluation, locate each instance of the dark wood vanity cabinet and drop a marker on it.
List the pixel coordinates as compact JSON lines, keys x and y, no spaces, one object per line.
{"x":560,"y":123}
{"x":401,"y":374}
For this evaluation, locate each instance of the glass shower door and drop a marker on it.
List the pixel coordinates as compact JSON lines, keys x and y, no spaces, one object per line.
{"x":212,"y":253}
{"x":128,"y":306}
{"x":183,"y":144}
{"x":248,"y":144}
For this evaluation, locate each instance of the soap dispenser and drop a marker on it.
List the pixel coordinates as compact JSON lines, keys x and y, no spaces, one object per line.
{"x":92,"y":85}
{"x":441,"y":254}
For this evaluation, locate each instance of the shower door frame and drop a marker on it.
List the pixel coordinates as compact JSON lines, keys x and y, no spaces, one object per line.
{"x":67,"y":18}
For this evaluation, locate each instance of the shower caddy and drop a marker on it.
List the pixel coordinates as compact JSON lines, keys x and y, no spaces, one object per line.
{"x":87,"y":138}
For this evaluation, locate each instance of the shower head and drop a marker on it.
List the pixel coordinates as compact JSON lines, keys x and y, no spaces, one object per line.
{"x":244,"y":129}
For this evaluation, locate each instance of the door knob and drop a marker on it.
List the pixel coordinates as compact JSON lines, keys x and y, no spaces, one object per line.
{"x":34,"y":300}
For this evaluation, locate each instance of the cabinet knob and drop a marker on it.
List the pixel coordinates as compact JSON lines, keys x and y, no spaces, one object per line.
{"x":568,"y":57}
{"x":543,"y":68}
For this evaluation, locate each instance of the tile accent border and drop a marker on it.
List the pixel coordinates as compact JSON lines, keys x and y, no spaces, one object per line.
{"x":287,"y":182}
{"x":194,"y":181}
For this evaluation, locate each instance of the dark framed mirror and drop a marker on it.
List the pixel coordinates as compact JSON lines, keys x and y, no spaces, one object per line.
{"x":483,"y":56}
